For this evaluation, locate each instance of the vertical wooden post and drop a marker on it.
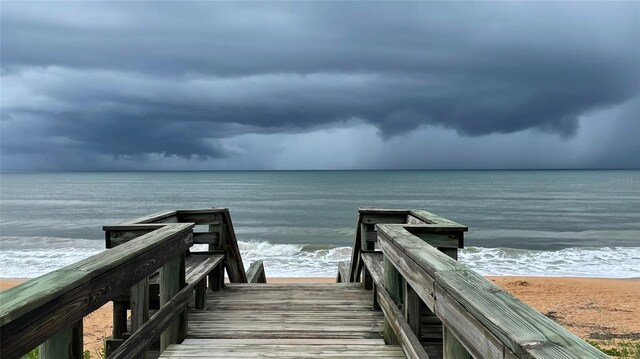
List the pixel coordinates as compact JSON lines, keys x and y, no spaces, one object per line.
{"x":183,"y":319}
{"x":452,"y":348}
{"x":394,"y":284}
{"x":119,"y":319}
{"x":169,"y":286}
{"x":200,"y":293}
{"x":412,"y":309}
{"x":374,"y":292}
{"x":139,"y":302}
{"x":214,"y":280}
{"x":67,"y":343}
{"x":365,"y":245}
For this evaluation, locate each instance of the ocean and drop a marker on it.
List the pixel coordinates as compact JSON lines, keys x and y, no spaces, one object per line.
{"x":301,"y":223}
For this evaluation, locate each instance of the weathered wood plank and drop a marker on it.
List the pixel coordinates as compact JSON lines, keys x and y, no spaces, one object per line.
{"x":212,"y":238}
{"x":140,"y":306}
{"x":159,"y":217}
{"x":452,"y":348}
{"x":233,"y":260}
{"x":169,"y":287}
{"x":67,"y":343}
{"x":496,"y":314}
{"x":142,"y":339}
{"x":200,"y":216}
{"x":343,"y":271}
{"x":255,"y":273}
{"x":355,"y":254}
{"x":65,"y":296}
{"x":402,"y":332}
{"x":422,"y":216}
{"x":374,"y":263}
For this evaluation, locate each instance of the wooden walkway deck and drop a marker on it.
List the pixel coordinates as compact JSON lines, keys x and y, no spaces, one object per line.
{"x":286,"y":321}
{"x":403,"y":287}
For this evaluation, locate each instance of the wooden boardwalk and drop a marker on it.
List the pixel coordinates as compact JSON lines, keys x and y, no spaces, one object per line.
{"x":402,"y":294}
{"x":286,"y":321}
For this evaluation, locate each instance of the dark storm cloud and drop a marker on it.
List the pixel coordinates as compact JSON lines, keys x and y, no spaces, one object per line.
{"x":138,"y":78}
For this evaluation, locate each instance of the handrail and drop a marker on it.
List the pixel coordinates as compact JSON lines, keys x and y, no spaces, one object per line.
{"x":255,"y":273}
{"x":32,"y":312}
{"x":221,"y":235}
{"x":486,"y":320}
{"x":365,"y":235}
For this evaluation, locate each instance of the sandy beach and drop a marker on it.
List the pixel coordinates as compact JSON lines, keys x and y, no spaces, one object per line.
{"x":592,"y":308}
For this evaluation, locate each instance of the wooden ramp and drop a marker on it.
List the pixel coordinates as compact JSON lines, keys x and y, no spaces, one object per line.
{"x":286,"y":321}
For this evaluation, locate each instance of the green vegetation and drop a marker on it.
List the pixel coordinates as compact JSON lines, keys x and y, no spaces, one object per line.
{"x":35,"y":354}
{"x":618,"y":349}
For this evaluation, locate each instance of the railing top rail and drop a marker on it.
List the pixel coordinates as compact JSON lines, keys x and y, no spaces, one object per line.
{"x":33,"y":311}
{"x":488,"y":321}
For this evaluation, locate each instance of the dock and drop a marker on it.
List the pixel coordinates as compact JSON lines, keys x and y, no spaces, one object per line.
{"x":403,"y":294}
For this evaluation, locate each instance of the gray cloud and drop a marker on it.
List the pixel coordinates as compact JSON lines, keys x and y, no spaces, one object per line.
{"x":133,"y":80}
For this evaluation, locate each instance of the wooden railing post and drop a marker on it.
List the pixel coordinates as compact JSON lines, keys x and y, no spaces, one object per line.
{"x":139,"y":301}
{"x":215,"y":283}
{"x":366,"y":245}
{"x":394,"y":284}
{"x":412,"y":309}
{"x":67,"y":343}
{"x":452,"y":348}
{"x":169,"y":287}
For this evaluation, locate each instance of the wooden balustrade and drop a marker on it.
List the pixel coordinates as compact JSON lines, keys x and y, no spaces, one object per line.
{"x":435,"y":306}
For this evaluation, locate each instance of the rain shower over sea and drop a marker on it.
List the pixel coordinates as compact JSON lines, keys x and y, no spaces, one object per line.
{"x":301,"y":223}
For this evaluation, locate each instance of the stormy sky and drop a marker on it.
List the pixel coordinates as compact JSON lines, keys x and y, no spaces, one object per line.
{"x":310,"y":85}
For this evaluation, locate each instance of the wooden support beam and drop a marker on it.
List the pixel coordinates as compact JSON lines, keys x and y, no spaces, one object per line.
{"x":452,"y":348}
{"x":139,"y":303}
{"x":394,"y":285}
{"x":169,"y":287}
{"x":412,"y":309}
{"x":67,"y":343}
{"x":402,"y":332}
{"x":160,"y":322}
{"x":255,"y":273}
{"x":343,"y":272}
{"x":119,"y":319}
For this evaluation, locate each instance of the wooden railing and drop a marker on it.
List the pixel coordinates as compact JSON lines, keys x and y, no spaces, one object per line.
{"x":48,"y":310}
{"x":435,"y":306}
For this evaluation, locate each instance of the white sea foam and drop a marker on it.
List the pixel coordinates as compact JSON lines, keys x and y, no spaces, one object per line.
{"x":27,"y":257}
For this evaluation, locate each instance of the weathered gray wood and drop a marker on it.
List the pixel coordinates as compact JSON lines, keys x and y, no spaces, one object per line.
{"x":139,"y":303}
{"x":452,"y":348}
{"x":373,"y":261}
{"x":159,"y":217}
{"x":35,"y":310}
{"x":370,"y":216}
{"x":116,"y":235}
{"x":200,"y":288}
{"x":412,"y":309}
{"x":469,"y":304}
{"x":233,"y":260}
{"x":119,"y":319}
{"x":201,"y":216}
{"x":394,"y":285}
{"x":422,"y":216}
{"x":355,"y":254}
{"x":67,"y":343}
{"x":343,"y":272}
{"x":401,"y":330}
{"x":159,"y":323}
{"x":169,"y":287}
{"x":255,"y":273}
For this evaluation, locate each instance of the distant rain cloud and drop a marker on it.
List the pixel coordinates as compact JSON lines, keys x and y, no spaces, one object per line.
{"x":104,"y":85}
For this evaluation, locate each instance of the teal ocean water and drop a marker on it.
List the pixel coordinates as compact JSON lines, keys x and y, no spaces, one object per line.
{"x":563,"y":223}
